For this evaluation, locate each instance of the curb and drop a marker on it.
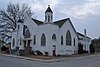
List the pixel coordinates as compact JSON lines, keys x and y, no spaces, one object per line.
{"x":33,"y":59}
{"x":46,"y":61}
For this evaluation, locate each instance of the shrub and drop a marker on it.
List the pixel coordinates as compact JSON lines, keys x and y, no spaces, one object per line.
{"x":80,"y":48}
{"x":84,"y":51}
{"x":3,"y":48}
{"x":92,"y":49}
{"x":46,"y":53}
{"x":32,"y":52}
{"x":38,"y":52}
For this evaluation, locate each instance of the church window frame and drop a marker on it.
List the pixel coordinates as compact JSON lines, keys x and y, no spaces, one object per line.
{"x":48,"y":18}
{"x":34,"y":40}
{"x":51,"y":17}
{"x":18,"y":26}
{"x":43,"y":40}
{"x":20,"y":41}
{"x":68,"y":38}
{"x":45,"y":18}
{"x":61,"y":40}
{"x":54,"y":37}
{"x":13,"y":42}
{"x":74,"y":41}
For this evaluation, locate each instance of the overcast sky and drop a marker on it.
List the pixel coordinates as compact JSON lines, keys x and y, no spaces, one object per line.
{"x":84,"y":14}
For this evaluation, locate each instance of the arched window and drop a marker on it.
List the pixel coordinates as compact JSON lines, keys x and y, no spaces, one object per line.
{"x":45,"y":18}
{"x":54,"y":37}
{"x":48,"y":18}
{"x":74,"y":41}
{"x":13,"y":42}
{"x":18,"y":26}
{"x":51,"y":17}
{"x":34,"y":40}
{"x":20,"y":41}
{"x":61,"y":40}
{"x":43,"y":40}
{"x":68,"y":38}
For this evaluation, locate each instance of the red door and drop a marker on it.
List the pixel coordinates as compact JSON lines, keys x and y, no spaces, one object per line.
{"x":54,"y":50}
{"x":54,"y":53}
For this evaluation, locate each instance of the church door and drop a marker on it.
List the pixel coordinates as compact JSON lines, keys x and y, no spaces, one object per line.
{"x":54,"y":50}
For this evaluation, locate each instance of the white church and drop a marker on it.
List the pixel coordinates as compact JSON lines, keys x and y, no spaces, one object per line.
{"x":52,"y":37}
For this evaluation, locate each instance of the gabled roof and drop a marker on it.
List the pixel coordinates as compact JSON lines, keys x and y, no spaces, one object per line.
{"x":37,"y":21}
{"x":60,"y":22}
{"x":82,"y":35}
{"x":48,"y":9}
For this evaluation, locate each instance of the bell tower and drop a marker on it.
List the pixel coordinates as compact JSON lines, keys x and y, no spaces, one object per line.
{"x":48,"y":15}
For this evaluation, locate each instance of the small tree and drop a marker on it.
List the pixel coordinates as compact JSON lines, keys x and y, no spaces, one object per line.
{"x":92,"y":49}
{"x":80,"y":48}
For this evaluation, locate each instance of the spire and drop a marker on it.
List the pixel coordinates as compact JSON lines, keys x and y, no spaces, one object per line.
{"x":20,"y":21}
{"x":48,"y":15}
{"x":48,"y":9}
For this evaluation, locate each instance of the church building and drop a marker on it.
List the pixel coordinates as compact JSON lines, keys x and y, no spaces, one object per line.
{"x":48,"y":36}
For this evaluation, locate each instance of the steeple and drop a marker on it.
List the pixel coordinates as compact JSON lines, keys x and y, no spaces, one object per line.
{"x":48,"y":9}
{"x":48,"y":15}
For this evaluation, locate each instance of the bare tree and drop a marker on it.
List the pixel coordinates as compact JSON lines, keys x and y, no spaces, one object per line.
{"x":10,"y":17}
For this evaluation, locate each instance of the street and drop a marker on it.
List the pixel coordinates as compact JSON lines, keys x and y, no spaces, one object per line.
{"x":88,"y":61}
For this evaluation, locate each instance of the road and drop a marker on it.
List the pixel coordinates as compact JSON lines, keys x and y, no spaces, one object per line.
{"x":89,"y":61}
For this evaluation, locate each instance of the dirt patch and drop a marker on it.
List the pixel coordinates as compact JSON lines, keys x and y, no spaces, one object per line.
{"x":41,"y":57}
{"x":57,"y":57}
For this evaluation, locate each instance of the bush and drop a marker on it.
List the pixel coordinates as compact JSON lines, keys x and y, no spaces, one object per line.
{"x":92,"y":49}
{"x":3,"y":48}
{"x":32,"y":52}
{"x":84,"y":51}
{"x":6,"y":49}
{"x":38,"y":52}
{"x":46,"y":53}
{"x":80,"y":48}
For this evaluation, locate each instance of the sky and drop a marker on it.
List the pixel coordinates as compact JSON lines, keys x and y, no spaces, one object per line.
{"x":84,"y":14}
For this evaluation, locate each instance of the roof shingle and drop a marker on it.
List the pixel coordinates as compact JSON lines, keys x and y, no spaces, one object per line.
{"x":60,"y":22}
{"x":37,"y":21}
{"x":82,"y":35}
